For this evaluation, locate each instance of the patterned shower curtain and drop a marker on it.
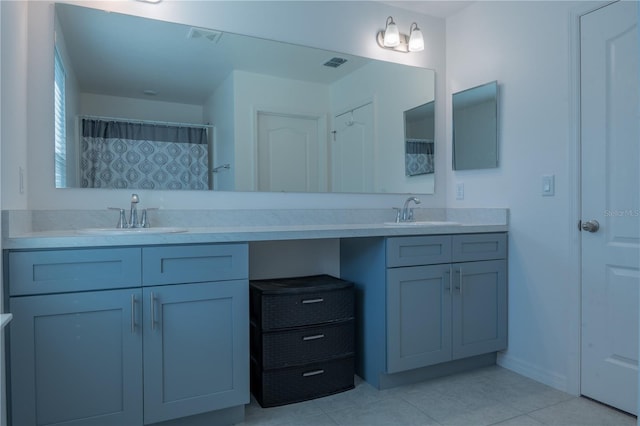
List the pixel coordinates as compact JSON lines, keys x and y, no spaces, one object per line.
{"x":118,"y":154}
{"x":418,"y":157}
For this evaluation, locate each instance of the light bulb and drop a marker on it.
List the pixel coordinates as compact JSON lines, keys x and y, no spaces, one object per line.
{"x":391,"y":34}
{"x":416,"y":42}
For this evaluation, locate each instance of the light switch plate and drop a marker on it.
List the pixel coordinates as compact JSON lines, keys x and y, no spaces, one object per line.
{"x":460,"y":191}
{"x":548,"y":185}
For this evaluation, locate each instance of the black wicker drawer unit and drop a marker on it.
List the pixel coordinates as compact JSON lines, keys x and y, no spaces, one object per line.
{"x":302,"y":338}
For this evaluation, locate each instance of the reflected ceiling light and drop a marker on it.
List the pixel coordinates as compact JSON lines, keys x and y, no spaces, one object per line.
{"x":393,"y":39}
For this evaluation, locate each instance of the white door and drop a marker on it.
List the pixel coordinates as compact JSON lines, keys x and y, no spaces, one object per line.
{"x":610,"y":181}
{"x":290,"y":154}
{"x":352,"y":146}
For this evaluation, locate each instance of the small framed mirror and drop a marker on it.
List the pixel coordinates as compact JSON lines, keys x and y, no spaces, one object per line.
{"x":418,"y":139}
{"x":475,"y":127}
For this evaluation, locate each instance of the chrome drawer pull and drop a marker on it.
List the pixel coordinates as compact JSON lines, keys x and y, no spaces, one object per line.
{"x":312,"y":373}
{"x":314,"y":337}
{"x":318,"y":300}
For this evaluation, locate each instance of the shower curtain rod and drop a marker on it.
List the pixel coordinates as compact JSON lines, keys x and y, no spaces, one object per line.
{"x":157,"y":123}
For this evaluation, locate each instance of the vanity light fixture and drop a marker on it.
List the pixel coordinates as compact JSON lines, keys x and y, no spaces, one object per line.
{"x":393,"y":39}
{"x":416,"y":42}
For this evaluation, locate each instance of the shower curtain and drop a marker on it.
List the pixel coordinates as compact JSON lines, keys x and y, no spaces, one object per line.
{"x":418,"y":157}
{"x":118,"y":154}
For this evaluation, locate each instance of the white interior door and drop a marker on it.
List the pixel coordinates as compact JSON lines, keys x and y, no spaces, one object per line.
{"x":352,"y":159}
{"x":610,"y":196}
{"x":290,"y":153}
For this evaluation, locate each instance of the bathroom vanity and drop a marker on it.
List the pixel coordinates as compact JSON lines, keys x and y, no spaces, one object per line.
{"x":153,"y":328}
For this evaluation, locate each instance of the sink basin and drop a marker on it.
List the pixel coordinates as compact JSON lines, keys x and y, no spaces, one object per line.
{"x":422,"y":223}
{"x":131,"y":231}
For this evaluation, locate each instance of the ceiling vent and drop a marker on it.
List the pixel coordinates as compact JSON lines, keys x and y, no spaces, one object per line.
{"x":335,"y":62}
{"x":203,"y":34}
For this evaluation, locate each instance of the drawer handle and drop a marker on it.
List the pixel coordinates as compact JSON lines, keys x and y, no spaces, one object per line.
{"x":312,"y":373}
{"x":318,"y":300}
{"x":314,"y":337}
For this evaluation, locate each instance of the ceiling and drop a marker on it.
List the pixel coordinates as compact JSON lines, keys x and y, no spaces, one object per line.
{"x":128,"y":56}
{"x":439,"y":9}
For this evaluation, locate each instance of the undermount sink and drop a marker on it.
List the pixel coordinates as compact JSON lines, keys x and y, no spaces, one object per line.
{"x":423,"y":223}
{"x":131,"y":231}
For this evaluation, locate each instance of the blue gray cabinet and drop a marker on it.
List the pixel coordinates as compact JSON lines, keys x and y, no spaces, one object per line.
{"x":435,"y":299}
{"x":196,"y":356}
{"x":76,"y":358}
{"x":165,"y":346}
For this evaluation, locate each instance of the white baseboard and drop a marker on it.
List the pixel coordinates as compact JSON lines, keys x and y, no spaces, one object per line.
{"x":534,"y":372}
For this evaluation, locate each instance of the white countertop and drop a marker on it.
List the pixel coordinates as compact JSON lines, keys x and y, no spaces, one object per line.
{"x":194,"y":235}
{"x":4,"y":319}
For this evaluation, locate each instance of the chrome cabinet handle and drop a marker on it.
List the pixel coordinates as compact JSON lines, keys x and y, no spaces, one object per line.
{"x":133,"y":314}
{"x":153,"y":312}
{"x":461,"y":281}
{"x":590,"y":226}
{"x":318,"y":300}
{"x":447,"y":286}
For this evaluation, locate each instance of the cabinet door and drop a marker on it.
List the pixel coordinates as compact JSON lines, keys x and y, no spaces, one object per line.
{"x":196,"y":348}
{"x":76,"y":359}
{"x":418,"y":317}
{"x":479,"y":307}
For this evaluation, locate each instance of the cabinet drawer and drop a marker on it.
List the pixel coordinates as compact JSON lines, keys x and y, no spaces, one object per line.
{"x":296,"y":384}
{"x":194,"y":263}
{"x":472,"y":247}
{"x":281,"y":311}
{"x":415,"y":251}
{"x":302,"y":345}
{"x":57,"y":271}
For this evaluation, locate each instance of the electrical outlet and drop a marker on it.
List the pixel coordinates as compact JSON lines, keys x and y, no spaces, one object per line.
{"x":460,"y":191}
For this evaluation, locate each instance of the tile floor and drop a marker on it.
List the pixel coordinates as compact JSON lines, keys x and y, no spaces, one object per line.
{"x":488,"y":396}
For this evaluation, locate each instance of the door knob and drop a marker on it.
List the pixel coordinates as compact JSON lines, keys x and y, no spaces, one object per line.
{"x":591,"y":226}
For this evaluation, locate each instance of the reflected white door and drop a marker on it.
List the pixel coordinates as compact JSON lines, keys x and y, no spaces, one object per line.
{"x":290,"y":154}
{"x":610,"y":195}
{"x":352,"y":146}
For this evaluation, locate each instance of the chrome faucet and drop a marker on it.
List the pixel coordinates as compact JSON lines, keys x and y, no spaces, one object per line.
{"x":133,"y":214}
{"x":406,"y":214}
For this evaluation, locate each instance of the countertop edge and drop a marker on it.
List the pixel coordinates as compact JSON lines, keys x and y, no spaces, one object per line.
{"x":5,"y":319}
{"x":72,"y":239}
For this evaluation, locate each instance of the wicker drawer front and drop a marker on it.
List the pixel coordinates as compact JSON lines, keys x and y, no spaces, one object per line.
{"x":279,"y":349}
{"x":273,"y":312}
{"x":296,"y":384}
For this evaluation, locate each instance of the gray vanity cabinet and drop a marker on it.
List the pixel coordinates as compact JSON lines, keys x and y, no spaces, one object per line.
{"x":434,"y":299}
{"x":76,"y":358}
{"x":163,"y":346}
{"x":418,"y":317}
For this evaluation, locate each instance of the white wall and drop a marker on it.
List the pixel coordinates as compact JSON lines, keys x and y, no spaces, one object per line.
{"x":525,"y":46}
{"x":219,"y":111}
{"x":256,"y":92}
{"x":353,"y":26}
{"x":376,"y":82}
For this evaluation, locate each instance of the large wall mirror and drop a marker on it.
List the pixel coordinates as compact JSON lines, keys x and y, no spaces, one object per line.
{"x":475,"y":127}
{"x":150,"y":104}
